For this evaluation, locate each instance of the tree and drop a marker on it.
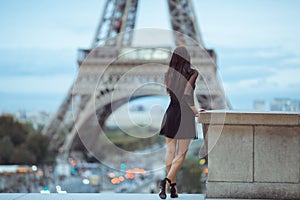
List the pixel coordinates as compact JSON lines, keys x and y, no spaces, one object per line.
{"x":13,"y":129}
{"x":37,"y":144}
{"x":20,"y":143}
{"x":6,"y":150}
{"x":22,"y":156}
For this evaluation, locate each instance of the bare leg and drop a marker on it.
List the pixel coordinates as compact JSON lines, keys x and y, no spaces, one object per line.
{"x":170,"y":153}
{"x":183,"y":146}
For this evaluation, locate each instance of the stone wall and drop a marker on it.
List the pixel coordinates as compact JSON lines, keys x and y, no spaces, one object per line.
{"x":252,"y":155}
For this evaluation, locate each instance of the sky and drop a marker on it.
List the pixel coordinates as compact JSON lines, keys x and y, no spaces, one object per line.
{"x":257,"y":46}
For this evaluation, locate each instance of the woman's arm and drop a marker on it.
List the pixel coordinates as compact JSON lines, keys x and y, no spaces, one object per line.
{"x":198,"y":113}
{"x":194,"y":109}
{"x":189,"y":92}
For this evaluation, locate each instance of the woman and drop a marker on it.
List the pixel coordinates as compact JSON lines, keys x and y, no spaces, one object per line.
{"x":178,"y":125}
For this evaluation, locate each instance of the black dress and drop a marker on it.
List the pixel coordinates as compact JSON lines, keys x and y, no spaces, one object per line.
{"x":179,"y":119}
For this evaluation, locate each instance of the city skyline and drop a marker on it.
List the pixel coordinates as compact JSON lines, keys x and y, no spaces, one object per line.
{"x":256,"y":43}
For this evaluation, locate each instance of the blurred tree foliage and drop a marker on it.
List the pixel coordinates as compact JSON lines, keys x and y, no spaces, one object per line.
{"x":20,"y":143}
{"x":6,"y":149}
{"x":189,"y":177}
{"x":13,"y":129}
{"x":37,"y":144}
{"x":21,"y":155}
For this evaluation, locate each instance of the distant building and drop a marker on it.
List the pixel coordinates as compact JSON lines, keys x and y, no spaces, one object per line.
{"x":277,"y":104}
{"x":285,"y":104}
{"x":37,"y":118}
{"x":259,"y":105}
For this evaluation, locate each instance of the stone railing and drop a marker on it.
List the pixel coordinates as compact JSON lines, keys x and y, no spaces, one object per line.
{"x":252,"y":155}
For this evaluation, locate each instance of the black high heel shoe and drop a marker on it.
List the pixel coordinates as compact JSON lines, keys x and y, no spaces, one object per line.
{"x":162,"y":193}
{"x":173,"y":191}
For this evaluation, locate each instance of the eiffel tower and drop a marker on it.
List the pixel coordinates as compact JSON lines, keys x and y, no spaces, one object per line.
{"x":89,"y":103}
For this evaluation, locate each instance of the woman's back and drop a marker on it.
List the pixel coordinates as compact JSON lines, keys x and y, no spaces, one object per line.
{"x":179,"y":72}
{"x":180,"y":79}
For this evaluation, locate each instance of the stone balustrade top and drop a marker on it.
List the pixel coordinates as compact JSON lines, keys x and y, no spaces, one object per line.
{"x":228,"y":117}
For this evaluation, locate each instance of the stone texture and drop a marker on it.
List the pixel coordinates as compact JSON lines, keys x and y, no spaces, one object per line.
{"x":277,"y":154}
{"x":231,"y":158}
{"x":253,"y":190}
{"x":253,"y":155}
{"x":249,"y":118}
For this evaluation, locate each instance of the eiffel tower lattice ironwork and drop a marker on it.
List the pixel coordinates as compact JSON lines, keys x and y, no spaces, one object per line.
{"x":113,"y":36}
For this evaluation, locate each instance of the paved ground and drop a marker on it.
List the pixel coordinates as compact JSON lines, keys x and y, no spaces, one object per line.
{"x":87,"y":196}
{"x":94,"y":196}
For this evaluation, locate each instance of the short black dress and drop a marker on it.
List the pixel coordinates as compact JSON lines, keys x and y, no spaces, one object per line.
{"x":179,"y":119}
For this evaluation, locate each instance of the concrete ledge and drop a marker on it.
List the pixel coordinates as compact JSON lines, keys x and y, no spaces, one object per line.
{"x":277,"y":154}
{"x":234,"y":141}
{"x":252,"y":155}
{"x":253,"y":190}
{"x":249,"y":118}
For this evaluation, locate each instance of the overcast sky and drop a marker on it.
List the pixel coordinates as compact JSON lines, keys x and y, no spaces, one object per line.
{"x":257,"y":44}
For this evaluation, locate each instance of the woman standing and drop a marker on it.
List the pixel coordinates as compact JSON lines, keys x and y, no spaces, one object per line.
{"x":178,"y":125}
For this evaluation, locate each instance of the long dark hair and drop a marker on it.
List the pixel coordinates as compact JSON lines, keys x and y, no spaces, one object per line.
{"x":179,"y":68}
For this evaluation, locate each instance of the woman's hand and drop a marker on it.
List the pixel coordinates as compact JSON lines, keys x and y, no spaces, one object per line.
{"x":198,"y":113}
